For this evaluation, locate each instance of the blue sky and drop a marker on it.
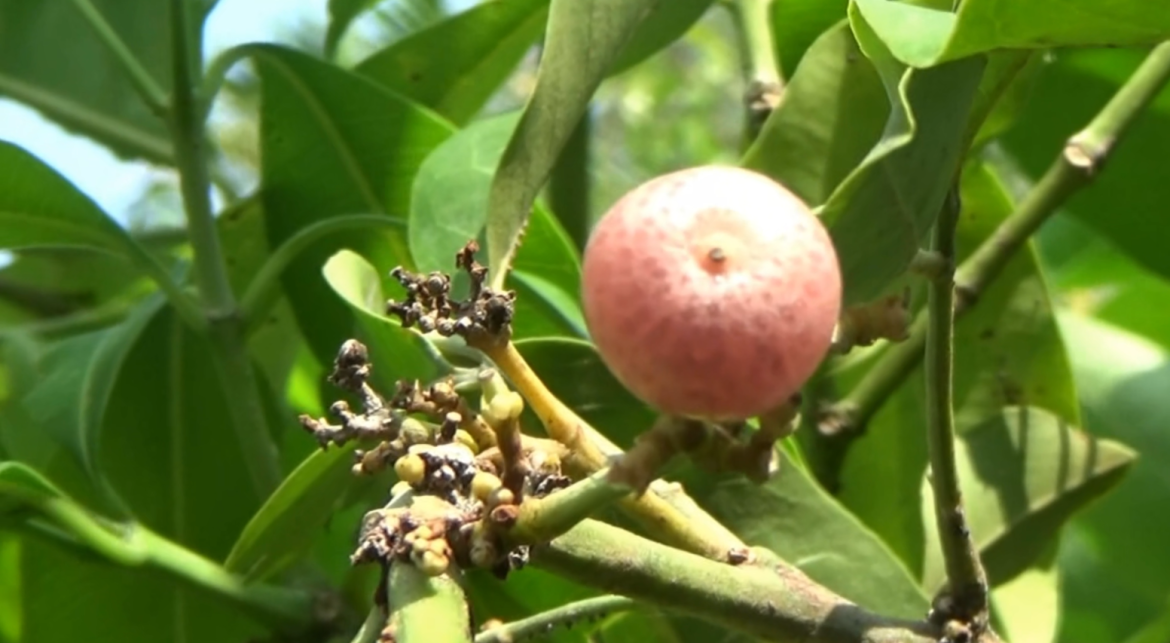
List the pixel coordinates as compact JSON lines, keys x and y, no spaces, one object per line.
{"x":115,"y":184}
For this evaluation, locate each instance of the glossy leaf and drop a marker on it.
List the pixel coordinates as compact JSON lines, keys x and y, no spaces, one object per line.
{"x":804,"y":525}
{"x":1023,"y":474}
{"x":286,"y":525}
{"x":72,"y":399}
{"x":797,"y":24}
{"x":665,"y":23}
{"x":20,"y":485}
{"x":1125,"y":202}
{"x":1109,"y":285}
{"x":1027,"y":607}
{"x":1113,"y":583}
{"x":10,"y":586}
{"x":481,"y":47}
{"x":334,"y":143}
{"x":449,"y":206}
{"x":922,"y":36}
{"x":396,"y":352}
{"x":40,"y":208}
{"x":583,"y":40}
{"x":1008,"y":351}
{"x":879,"y":215}
{"x":51,"y":59}
{"x":830,"y":115}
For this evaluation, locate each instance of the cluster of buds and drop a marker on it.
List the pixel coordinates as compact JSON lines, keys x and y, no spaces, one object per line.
{"x":886,"y":318}
{"x":429,"y":307}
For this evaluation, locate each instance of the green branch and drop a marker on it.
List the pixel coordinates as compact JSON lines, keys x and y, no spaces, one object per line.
{"x":543,"y":519}
{"x":771,"y":602}
{"x":1084,"y":156}
{"x":542,"y":623}
{"x":149,"y":90}
{"x":426,"y":609}
{"x":761,"y":67}
{"x":226,"y":330}
{"x":966,"y":580}
{"x":264,"y":289}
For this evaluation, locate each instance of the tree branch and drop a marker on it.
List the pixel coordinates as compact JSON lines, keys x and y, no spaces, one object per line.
{"x":967,"y":582}
{"x":664,"y":511}
{"x":225,"y":324}
{"x":775,"y":603}
{"x":1081,"y":161}
{"x":541,"y":623}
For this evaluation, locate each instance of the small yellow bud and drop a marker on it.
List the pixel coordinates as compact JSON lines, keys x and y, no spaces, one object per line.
{"x":483,"y":485}
{"x":410,"y":469}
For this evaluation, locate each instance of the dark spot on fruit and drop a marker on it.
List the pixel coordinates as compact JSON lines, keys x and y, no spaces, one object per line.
{"x":987,"y":333}
{"x":415,"y":77}
{"x":717,"y":255}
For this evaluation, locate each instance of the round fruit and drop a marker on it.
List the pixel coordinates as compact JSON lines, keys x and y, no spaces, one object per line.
{"x":711,"y":292}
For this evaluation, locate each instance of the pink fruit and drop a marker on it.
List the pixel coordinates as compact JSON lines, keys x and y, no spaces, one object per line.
{"x":711,"y":292}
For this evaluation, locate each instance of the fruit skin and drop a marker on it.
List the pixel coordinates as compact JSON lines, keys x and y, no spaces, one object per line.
{"x":711,"y":292}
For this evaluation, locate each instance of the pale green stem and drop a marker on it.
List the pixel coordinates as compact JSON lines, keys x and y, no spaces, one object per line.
{"x":773,"y":602}
{"x":426,"y":609}
{"x":967,"y":582}
{"x":540,"y":624}
{"x":226,"y":329}
{"x":542,"y":519}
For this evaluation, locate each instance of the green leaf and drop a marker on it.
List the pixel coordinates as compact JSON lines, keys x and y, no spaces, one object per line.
{"x":449,"y":207}
{"x":665,"y":23}
{"x":20,"y":485}
{"x":575,"y":373}
{"x":1115,"y":577}
{"x":334,"y":143}
{"x":1111,"y":286}
{"x":481,"y":47}
{"x":804,"y":525}
{"x":880,"y":214}
{"x":72,"y":397}
{"x":1125,"y":201}
{"x":830,"y":115}
{"x":10,"y":585}
{"x":1023,"y":474}
{"x":51,"y":59}
{"x":1008,"y":351}
{"x":40,"y":208}
{"x":1028,"y":606}
{"x":397,"y":352}
{"x":341,"y":14}
{"x":292,"y":518}
{"x":922,"y":36}
{"x":583,"y":40}
{"x":797,"y":24}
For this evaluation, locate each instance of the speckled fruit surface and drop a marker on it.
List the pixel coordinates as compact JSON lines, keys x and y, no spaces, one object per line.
{"x":711,"y":292}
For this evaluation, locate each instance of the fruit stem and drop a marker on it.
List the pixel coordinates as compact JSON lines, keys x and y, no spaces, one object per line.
{"x":966,"y":580}
{"x":669,"y":515}
{"x":1079,"y":163}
